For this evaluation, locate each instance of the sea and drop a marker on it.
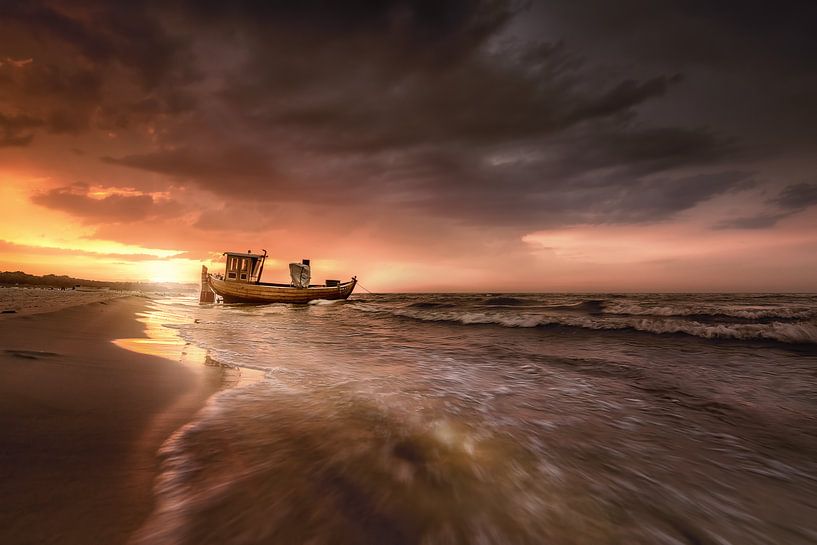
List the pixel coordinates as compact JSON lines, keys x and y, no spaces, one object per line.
{"x":441,"y":419}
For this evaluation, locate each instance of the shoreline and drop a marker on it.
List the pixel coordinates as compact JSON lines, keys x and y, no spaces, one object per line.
{"x":82,"y":419}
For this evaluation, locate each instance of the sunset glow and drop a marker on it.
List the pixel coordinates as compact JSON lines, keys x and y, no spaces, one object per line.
{"x":406,"y":179}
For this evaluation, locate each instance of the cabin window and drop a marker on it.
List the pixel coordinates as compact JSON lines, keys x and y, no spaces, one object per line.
{"x":231,"y":275}
{"x":244,"y":265}
{"x":243,"y":276}
{"x":231,"y":263}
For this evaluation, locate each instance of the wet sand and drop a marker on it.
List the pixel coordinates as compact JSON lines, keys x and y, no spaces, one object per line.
{"x":81,"y":420}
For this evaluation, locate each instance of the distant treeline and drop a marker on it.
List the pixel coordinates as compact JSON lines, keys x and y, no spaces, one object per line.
{"x":20,"y":278}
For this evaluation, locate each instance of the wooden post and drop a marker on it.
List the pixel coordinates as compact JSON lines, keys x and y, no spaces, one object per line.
{"x":207,"y":295}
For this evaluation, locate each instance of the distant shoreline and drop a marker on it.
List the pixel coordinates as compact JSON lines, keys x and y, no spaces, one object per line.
{"x":22,"y":279}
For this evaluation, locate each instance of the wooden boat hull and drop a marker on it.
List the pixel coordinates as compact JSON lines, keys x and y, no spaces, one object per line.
{"x":239,"y":292}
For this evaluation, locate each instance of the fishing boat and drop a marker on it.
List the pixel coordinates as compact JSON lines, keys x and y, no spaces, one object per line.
{"x":241,"y":283}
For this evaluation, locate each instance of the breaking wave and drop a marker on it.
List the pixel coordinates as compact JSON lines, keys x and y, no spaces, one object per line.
{"x":591,"y":306}
{"x":803,"y":332}
{"x":324,"y":302}
{"x":630,"y":309}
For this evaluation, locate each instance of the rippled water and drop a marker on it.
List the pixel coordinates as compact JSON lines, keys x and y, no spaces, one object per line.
{"x":442,"y":419}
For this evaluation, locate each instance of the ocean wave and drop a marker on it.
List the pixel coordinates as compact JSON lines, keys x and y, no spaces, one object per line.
{"x":430,"y":304}
{"x":504,"y":302}
{"x":633,"y":309}
{"x":785,"y":332}
{"x":257,"y":462}
{"x":591,"y":306}
{"x":324,"y":302}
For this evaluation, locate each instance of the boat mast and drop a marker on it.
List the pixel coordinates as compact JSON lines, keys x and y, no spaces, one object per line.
{"x":261,"y":269}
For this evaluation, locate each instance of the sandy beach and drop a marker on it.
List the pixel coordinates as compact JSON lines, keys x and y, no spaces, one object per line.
{"x":36,"y":300}
{"x":81,"y":420}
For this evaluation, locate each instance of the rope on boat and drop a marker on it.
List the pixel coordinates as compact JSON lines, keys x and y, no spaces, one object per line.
{"x":364,"y":289}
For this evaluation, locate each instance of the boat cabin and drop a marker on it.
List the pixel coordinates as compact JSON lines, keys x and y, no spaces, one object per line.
{"x":244,"y":267}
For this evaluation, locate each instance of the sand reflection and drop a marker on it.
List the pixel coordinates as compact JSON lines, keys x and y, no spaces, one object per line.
{"x":163,"y":341}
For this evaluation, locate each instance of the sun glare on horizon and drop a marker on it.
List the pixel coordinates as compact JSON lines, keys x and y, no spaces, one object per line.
{"x":175,"y":270}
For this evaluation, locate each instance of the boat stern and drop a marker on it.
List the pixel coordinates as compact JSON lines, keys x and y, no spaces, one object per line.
{"x":207,"y":295}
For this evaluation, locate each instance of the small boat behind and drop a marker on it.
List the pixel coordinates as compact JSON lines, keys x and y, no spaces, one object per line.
{"x":241,"y":283}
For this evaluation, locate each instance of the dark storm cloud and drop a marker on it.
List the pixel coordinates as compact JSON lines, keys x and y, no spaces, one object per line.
{"x":380,"y":113}
{"x":225,"y":168}
{"x":797,"y":196}
{"x":660,"y":198}
{"x":432,"y":32}
{"x":114,"y":208}
{"x":749,"y":64}
{"x":16,"y":130}
{"x":792,"y":200}
{"x":763,"y":221}
{"x":683,"y":31}
{"x":93,"y":65}
{"x":559,"y":194}
{"x":102,"y":33}
{"x":404,"y":132}
{"x":57,"y":99}
{"x":513,"y":93}
{"x":435,"y":105}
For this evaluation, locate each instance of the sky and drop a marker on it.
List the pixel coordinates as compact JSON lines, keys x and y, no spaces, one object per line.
{"x":441,"y":145}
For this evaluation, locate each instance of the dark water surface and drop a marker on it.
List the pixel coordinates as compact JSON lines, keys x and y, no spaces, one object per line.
{"x":501,"y":419}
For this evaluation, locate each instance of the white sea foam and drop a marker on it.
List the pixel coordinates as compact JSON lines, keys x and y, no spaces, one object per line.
{"x":324,"y":302}
{"x":787,"y":332}
{"x":635,"y":309}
